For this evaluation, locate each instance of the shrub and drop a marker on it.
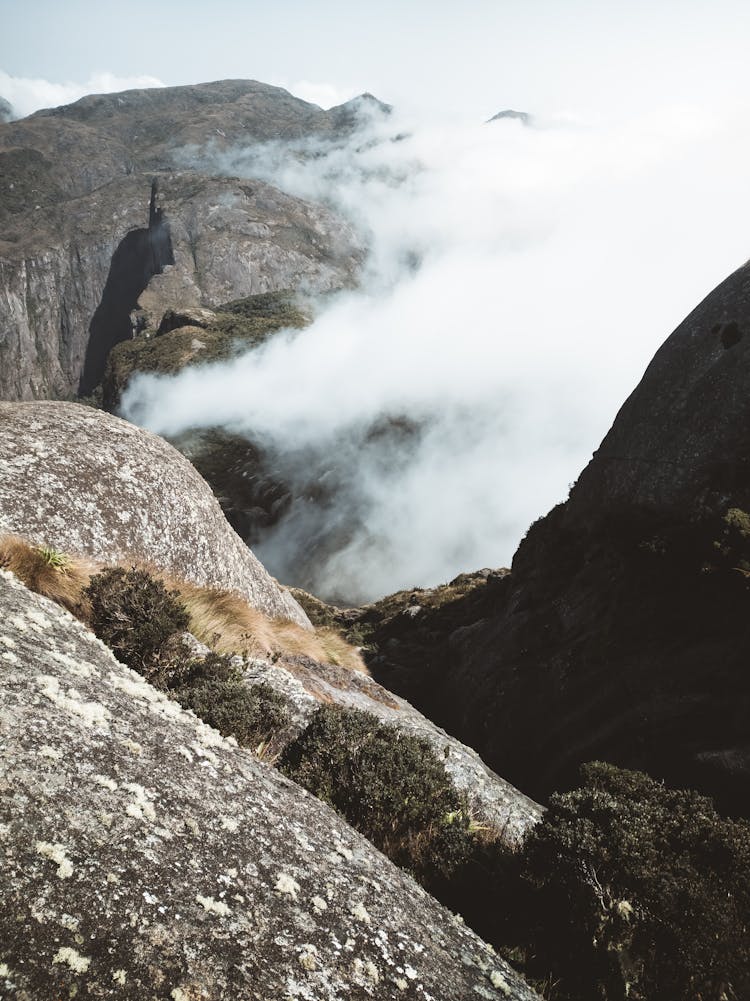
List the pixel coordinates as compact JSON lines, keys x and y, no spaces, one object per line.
{"x":388,"y":784}
{"x":134,"y":614}
{"x":634,"y":890}
{"x":215,"y":690}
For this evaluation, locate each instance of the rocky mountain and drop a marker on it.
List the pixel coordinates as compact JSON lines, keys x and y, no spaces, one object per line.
{"x":147,"y":856}
{"x":508,"y":113}
{"x":622,"y":631}
{"x":6,"y":111}
{"x":77,"y":479}
{"x":106,"y":210}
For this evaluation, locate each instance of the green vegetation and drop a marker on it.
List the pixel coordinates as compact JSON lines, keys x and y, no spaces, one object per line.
{"x":213,"y":687}
{"x":388,"y":784}
{"x":134,"y":614}
{"x":54,"y":558}
{"x":237,"y":326}
{"x":631,"y":890}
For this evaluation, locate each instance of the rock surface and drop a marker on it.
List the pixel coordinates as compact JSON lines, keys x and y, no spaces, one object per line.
{"x":145,"y":857}
{"x":80,"y":480}
{"x":307,"y":684}
{"x":622,"y":632}
{"x":77,"y":253}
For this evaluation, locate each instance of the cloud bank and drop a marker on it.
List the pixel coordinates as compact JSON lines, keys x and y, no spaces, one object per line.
{"x":519,"y":281}
{"x":26,"y":94}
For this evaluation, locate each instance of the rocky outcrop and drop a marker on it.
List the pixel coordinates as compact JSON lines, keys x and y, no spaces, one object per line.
{"x":146,"y":857}
{"x":78,"y":183}
{"x":6,"y":110}
{"x":307,"y":684}
{"x":622,"y":632}
{"x":81,"y":480}
{"x":508,"y":113}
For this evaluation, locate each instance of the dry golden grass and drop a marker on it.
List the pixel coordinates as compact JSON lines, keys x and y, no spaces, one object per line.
{"x":49,"y":572}
{"x":223,"y":621}
{"x":227,"y":624}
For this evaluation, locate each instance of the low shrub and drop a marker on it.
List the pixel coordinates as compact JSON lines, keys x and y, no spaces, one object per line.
{"x":389,"y":785}
{"x":631,"y":890}
{"x":134,"y":614}
{"x":255,"y":715}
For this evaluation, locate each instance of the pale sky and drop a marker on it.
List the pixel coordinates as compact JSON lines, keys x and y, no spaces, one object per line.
{"x":544,"y":56}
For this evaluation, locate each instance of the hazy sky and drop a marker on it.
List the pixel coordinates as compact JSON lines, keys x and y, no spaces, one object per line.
{"x":547,"y":56}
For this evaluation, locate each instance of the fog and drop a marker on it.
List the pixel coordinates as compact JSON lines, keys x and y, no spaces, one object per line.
{"x":518,"y":282}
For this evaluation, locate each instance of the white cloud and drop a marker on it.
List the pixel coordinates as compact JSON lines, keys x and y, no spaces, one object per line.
{"x":552,"y":261}
{"x":27,"y":94}
{"x":325,"y":95}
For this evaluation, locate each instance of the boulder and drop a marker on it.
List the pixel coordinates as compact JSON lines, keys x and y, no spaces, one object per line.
{"x":79,"y":480}
{"x":146,"y":857}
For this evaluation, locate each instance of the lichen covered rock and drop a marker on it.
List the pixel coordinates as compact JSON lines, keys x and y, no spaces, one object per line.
{"x":146,"y":857}
{"x":80,"y":480}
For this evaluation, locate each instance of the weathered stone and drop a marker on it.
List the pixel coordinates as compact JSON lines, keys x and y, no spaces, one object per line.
{"x":80,"y":480}
{"x":145,"y":857}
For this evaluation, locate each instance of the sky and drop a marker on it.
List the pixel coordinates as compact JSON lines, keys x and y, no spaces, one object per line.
{"x":554,"y":259}
{"x":547,"y":56}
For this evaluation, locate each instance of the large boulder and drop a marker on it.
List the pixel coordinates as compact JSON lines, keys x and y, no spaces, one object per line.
{"x":622,"y":631}
{"x":80,"y":480}
{"x":145,"y":857}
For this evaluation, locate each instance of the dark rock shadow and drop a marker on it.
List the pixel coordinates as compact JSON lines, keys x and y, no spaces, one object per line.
{"x":142,"y":254}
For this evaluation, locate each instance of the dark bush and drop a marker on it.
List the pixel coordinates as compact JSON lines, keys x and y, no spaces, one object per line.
{"x":631,"y":890}
{"x":134,"y":614}
{"x":215,"y":690}
{"x":388,"y":784}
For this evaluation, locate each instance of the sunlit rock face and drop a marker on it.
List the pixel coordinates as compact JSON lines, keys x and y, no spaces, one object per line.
{"x":146,"y":856}
{"x":103,"y":226}
{"x":80,"y":480}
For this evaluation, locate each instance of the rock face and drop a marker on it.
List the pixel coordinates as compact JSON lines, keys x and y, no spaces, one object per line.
{"x":86,"y":238}
{"x":307,"y":684}
{"x":622,"y":632}
{"x":146,"y":857}
{"x":80,"y":480}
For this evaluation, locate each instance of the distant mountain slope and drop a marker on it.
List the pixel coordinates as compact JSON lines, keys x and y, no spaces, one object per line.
{"x":94,"y":211}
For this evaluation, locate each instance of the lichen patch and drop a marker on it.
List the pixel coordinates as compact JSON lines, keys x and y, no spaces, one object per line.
{"x":287,"y":886}
{"x":213,"y":906}
{"x":56,"y":853}
{"x":73,"y":959}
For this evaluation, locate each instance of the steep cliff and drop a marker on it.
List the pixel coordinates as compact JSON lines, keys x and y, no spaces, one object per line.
{"x":75,"y":478}
{"x":147,"y":857}
{"x":84,"y":241}
{"x":622,"y":632}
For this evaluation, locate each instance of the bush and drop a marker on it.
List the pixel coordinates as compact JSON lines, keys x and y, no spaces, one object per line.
{"x":637,"y":891}
{"x":134,"y":614}
{"x":215,"y":690}
{"x":388,"y":784}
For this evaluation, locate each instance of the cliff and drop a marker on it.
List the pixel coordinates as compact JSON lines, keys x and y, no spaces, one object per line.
{"x":105,"y":213}
{"x":622,"y":631}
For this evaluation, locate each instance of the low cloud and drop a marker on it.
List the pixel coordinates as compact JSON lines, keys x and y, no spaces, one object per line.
{"x":29,"y":94}
{"x":519,"y":280}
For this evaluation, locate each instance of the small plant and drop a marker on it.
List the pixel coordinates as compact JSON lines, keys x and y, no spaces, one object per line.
{"x":54,"y":558}
{"x":389,"y":785}
{"x":134,"y":614}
